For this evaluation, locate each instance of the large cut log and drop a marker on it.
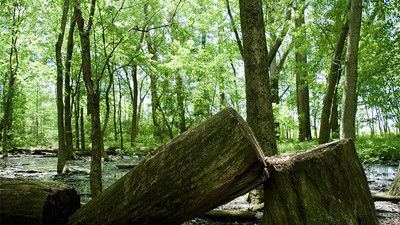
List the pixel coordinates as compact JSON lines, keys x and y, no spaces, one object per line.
{"x":325,"y":185}
{"x":36,"y":202}
{"x":191,"y":174}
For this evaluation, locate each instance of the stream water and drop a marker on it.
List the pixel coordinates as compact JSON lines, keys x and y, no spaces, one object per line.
{"x":379,"y":176}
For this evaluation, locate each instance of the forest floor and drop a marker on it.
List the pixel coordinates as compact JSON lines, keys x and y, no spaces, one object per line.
{"x":31,"y":167}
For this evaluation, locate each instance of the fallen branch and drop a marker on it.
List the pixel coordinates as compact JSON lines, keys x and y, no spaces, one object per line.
{"x":387,"y":198}
{"x":230,"y":215}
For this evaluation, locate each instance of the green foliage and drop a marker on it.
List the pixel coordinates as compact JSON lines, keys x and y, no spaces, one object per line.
{"x":293,"y":146}
{"x":378,"y":147}
{"x":369,"y":148}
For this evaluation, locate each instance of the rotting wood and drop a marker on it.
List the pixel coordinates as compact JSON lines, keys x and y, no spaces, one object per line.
{"x":325,"y":185}
{"x":36,"y":202}
{"x":195,"y":172}
{"x":230,"y":216}
{"x":387,"y":198}
{"x":127,"y":166}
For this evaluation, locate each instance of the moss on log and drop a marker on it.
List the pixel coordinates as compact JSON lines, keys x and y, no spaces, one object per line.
{"x":36,"y":202}
{"x":202,"y":168}
{"x":326,"y":185}
{"x":230,"y":216}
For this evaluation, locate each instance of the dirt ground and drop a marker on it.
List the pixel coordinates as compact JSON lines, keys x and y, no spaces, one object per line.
{"x":388,"y":213}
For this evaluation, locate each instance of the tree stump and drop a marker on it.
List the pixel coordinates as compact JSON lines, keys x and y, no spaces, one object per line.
{"x":191,"y":174}
{"x":326,"y":185}
{"x":36,"y":202}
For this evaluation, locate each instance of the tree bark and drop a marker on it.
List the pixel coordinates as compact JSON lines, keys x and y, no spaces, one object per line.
{"x":82,"y":130}
{"x":326,"y":185}
{"x":349,"y":101}
{"x":230,"y":216}
{"x":302,"y":91}
{"x":395,"y":189}
{"x":191,"y":174}
{"x":258,"y":91}
{"x":180,"y":103}
{"x":324,"y":129}
{"x":69,"y":148}
{"x":93,"y":97}
{"x":60,"y":105}
{"x":36,"y":202}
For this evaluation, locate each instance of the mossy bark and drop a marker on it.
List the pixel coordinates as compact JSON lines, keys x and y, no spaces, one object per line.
{"x":35,"y":202}
{"x":191,"y":174}
{"x":326,"y":185}
{"x":395,"y":189}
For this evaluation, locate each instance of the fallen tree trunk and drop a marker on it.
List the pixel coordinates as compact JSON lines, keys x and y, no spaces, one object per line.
{"x":127,"y":166}
{"x":230,"y":216}
{"x":191,"y":174}
{"x":36,"y":202}
{"x":326,"y":185}
{"x":387,"y":198}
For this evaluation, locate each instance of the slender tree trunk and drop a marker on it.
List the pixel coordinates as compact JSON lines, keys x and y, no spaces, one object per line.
{"x":114,"y":114}
{"x":334,"y":120}
{"x":69,"y":148}
{"x":180,"y":102}
{"x":76,"y":113}
{"x":154,"y":102}
{"x":134,"y":131}
{"x":82,"y":130}
{"x":258,"y":93}
{"x":349,"y":101}
{"x":302,"y":92}
{"x":120,"y":115}
{"x":13,"y":69}
{"x":324,"y":131}
{"x":94,"y":100}
{"x":60,"y":104}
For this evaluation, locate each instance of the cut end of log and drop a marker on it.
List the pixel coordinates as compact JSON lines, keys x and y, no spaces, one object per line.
{"x":325,"y":185}
{"x":36,"y":202}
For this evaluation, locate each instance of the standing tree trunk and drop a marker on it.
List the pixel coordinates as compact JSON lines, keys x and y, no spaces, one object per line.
{"x":395,"y":189}
{"x":333,"y":121}
{"x":82,"y":130}
{"x":93,"y":92}
{"x":302,"y":92}
{"x":114,"y":114}
{"x":134,"y":130}
{"x":60,"y":105}
{"x":69,"y":148}
{"x":258,"y":92}
{"x":324,"y":129}
{"x":180,"y":103}
{"x":13,"y":69}
{"x":120,"y":115}
{"x":349,"y":101}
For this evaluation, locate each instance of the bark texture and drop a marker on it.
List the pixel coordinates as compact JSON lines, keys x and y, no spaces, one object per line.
{"x":395,"y":189}
{"x":36,"y":202}
{"x":258,"y":91}
{"x":93,"y":92}
{"x":324,"y":129}
{"x":302,"y":91}
{"x":191,"y":174}
{"x":326,"y":185}
{"x":60,"y":104}
{"x":349,"y":101}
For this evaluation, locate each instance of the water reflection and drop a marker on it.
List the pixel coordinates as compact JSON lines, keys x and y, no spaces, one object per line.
{"x":380,"y":177}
